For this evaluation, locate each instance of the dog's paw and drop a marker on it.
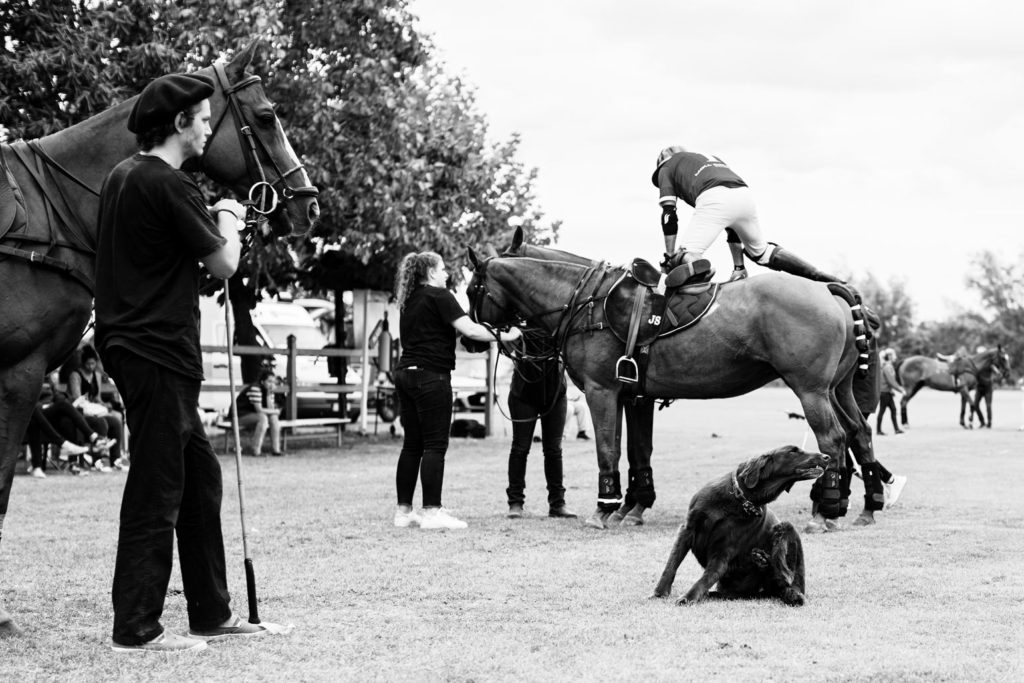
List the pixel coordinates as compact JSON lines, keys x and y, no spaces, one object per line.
{"x":685,"y":600}
{"x":792,"y":597}
{"x":760,"y":558}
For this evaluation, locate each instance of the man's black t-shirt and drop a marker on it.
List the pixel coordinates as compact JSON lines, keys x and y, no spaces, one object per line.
{"x":154,"y":228}
{"x":428,"y":338}
{"x":687,"y":174}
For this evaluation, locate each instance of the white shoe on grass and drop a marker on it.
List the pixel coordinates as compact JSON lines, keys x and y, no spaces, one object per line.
{"x":893,"y":490}
{"x":406,"y":518}
{"x":165,"y":642}
{"x":439,"y":518}
{"x":38,"y":473}
{"x":68,"y":449}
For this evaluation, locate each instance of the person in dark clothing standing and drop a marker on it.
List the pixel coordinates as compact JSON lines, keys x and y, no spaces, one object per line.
{"x":431,"y":320}
{"x":889,"y":387}
{"x":721,"y":201}
{"x":154,"y":231}
{"x":537,"y":392}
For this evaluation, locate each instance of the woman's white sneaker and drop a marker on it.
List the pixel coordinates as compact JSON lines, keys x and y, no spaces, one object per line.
{"x":404,"y":519}
{"x":439,"y":518}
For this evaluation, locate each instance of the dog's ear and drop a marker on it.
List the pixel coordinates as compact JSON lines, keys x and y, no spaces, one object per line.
{"x":755,"y":469}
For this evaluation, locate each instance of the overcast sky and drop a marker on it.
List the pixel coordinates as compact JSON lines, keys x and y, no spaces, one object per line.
{"x":876,"y":136}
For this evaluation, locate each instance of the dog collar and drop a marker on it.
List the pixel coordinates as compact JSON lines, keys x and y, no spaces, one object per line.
{"x":748,"y":507}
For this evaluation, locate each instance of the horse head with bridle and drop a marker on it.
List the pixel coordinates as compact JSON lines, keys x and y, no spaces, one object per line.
{"x":49,"y":202}
{"x":753,"y":331}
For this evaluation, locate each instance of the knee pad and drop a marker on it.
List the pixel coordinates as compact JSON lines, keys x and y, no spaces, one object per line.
{"x":609,"y":492}
{"x":874,"y":492}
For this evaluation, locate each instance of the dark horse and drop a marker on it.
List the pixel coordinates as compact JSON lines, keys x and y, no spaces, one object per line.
{"x":982,"y":366}
{"x":917,"y":372}
{"x":49,"y":200}
{"x":763,"y":328}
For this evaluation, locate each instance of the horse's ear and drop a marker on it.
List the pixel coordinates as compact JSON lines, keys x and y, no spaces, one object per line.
{"x":517,"y":239}
{"x":238,"y":64}
{"x":472,"y":257}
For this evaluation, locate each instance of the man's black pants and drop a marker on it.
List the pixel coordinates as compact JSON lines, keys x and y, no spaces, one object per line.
{"x":173,"y":487}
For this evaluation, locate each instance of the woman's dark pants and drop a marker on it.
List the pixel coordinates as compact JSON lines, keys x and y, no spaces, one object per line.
{"x":425,"y":409}
{"x":552,"y":423}
{"x":174,"y":487}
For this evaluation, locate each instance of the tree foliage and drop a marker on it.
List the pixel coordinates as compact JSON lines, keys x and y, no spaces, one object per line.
{"x":395,"y":145}
{"x":891,"y":304}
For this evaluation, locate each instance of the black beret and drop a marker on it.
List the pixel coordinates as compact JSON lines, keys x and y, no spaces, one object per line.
{"x":164,"y":97}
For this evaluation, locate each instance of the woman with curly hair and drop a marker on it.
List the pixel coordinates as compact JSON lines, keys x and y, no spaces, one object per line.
{"x":431,"y":320}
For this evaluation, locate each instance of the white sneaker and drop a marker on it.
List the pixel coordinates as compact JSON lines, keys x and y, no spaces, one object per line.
{"x":67,"y":449}
{"x":121,"y":464}
{"x":38,"y":473}
{"x":439,"y":518}
{"x":404,"y":519}
{"x":103,"y":444}
{"x":892,"y":491}
{"x":101,"y":466}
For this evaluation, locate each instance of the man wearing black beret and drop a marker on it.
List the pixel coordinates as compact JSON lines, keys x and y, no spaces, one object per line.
{"x":154,"y":232}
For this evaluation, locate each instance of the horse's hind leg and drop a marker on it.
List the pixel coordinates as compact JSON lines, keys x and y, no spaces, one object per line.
{"x":904,"y":422}
{"x":640,"y":493}
{"x":19,"y":388}
{"x":826,"y":492}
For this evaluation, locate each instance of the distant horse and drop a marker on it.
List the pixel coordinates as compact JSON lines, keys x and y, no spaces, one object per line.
{"x":49,"y":201}
{"x":760,"y":329}
{"x":982,"y":366}
{"x":917,"y":372}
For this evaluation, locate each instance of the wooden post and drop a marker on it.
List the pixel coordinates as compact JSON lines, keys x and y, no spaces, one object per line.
{"x":293,"y":395}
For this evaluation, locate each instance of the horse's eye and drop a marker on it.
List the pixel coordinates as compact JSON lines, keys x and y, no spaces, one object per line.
{"x":266,"y":116}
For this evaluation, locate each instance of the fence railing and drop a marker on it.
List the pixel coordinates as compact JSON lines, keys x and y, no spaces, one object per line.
{"x":294,"y":386}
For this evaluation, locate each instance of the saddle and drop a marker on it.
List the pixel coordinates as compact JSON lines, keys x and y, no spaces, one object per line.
{"x":12,"y":204}
{"x":638,"y":314}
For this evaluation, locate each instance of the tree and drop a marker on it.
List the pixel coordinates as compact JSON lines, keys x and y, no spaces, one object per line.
{"x":1001,"y":288}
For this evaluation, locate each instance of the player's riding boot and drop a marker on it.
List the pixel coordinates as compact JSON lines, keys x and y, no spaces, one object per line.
{"x":788,"y":262}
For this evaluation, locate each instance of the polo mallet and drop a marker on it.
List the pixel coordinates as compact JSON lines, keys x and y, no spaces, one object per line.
{"x":250,"y":573}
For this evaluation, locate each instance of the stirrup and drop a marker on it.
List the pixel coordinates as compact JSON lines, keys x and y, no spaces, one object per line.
{"x":627,"y":371}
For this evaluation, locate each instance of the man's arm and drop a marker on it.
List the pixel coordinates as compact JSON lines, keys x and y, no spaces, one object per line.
{"x":223,"y":263}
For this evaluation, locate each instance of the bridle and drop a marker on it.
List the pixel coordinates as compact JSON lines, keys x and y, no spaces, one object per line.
{"x":263,"y":194}
{"x":567,"y":312}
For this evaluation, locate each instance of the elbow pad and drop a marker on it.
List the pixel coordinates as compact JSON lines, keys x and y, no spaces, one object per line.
{"x":669,"y":220}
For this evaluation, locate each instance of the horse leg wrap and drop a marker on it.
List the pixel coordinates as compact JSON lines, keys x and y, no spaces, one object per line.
{"x":642,"y":484}
{"x":874,"y":492}
{"x":609,"y":492}
{"x":831,"y":504}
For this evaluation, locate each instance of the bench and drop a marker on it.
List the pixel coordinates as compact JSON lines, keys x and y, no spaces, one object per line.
{"x":334,"y":425}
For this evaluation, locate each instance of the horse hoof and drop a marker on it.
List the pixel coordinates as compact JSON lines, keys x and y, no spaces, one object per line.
{"x":619,"y":515}
{"x":597,"y":520}
{"x":833,"y":525}
{"x":814,"y":528}
{"x":864,"y":520}
{"x":635,"y":517}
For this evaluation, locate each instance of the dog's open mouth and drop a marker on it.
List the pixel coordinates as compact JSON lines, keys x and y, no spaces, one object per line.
{"x":811,"y":472}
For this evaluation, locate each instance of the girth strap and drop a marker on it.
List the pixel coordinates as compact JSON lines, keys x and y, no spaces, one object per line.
{"x":50,"y":262}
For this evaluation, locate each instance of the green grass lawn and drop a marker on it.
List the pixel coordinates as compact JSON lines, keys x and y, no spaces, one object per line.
{"x":933,"y":592}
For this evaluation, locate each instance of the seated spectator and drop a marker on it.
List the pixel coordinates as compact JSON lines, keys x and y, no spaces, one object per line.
{"x":84,"y":391}
{"x":257,"y":411}
{"x":54,"y":420}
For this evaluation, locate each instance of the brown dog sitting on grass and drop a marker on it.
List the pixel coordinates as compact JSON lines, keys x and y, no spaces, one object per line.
{"x":741,"y":544}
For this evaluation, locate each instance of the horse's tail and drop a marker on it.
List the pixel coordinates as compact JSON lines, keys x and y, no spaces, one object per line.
{"x":862,"y":333}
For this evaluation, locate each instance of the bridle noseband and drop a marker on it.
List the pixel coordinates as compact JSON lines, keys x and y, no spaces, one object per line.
{"x":263,"y":195}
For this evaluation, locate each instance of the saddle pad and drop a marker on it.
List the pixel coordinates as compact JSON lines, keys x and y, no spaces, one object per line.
{"x":659,"y":316}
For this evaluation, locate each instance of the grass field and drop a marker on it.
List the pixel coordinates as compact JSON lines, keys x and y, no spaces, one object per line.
{"x":933,"y":592}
